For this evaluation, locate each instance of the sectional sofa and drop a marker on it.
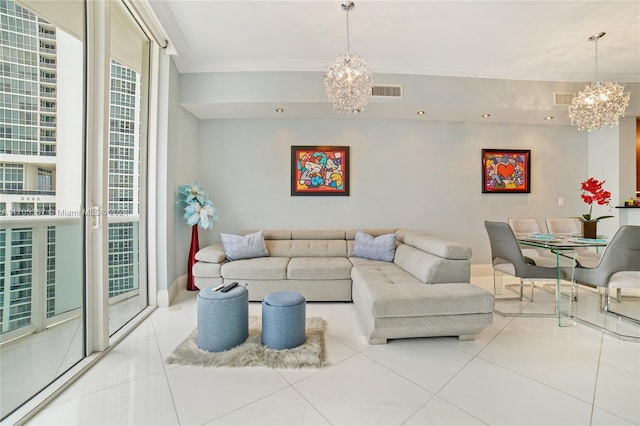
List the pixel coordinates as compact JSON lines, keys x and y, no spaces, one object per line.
{"x":402,"y":283}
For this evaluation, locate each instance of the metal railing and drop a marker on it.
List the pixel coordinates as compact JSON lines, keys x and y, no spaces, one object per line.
{"x":42,"y":264}
{"x":42,"y":267}
{"x":28,"y":192}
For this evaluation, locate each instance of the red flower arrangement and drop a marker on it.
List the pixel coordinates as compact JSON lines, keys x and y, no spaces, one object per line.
{"x":592,"y":192}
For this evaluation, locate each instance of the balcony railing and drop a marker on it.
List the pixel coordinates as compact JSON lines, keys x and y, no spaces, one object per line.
{"x":43,"y":265}
{"x":28,"y":191}
{"x":47,"y":35}
{"x":43,"y":272}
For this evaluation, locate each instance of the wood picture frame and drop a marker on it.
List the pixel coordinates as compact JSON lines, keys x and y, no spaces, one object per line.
{"x":506,"y":171}
{"x":319,"y":170}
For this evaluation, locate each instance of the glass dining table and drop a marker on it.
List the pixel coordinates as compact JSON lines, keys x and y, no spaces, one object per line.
{"x":564,"y":247}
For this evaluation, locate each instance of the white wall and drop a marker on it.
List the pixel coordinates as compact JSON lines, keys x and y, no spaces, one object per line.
{"x":612,"y":158}
{"x":419,"y":175}
{"x":183,"y":155}
{"x":177,"y":165}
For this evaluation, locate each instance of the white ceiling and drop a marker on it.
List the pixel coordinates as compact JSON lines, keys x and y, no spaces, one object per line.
{"x":544,"y":41}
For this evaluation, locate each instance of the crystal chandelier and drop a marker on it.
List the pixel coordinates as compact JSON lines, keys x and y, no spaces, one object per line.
{"x":348,"y":80}
{"x":599,"y":104}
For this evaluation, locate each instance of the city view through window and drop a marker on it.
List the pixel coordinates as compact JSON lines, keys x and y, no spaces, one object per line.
{"x":42,"y":191}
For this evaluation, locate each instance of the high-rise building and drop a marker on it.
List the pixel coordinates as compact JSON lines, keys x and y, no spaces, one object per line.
{"x":124,"y":163}
{"x":28,"y":87}
{"x":27,"y":112}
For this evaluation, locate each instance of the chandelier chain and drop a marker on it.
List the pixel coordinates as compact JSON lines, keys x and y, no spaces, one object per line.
{"x":596,"y":60}
{"x":348,"y":39}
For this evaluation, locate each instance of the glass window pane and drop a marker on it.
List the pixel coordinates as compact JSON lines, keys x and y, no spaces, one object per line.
{"x":41,"y":258}
{"x":127,"y":142}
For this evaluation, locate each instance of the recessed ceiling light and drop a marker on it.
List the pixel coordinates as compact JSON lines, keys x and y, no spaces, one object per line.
{"x":420,"y":112}
{"x":486,"y":115}
{"x":279,"y":110}
{"x":550,"y":117}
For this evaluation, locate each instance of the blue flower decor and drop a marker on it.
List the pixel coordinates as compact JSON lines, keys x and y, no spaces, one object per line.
{"x":199,"y":208}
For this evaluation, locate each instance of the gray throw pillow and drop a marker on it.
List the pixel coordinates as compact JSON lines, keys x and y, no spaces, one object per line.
{"x":244,"y":246}
{"x":378,"y":248}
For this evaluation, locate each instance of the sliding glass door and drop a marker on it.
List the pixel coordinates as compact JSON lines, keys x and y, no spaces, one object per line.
{"x":41,"y":196}
{"x":73,"y":146}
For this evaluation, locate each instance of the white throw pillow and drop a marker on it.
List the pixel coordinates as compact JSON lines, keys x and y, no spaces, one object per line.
{"x":382,"y":247}
{"x":244,"y":246}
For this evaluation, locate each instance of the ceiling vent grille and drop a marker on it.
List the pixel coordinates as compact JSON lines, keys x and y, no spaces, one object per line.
{"x":386,"y":91}
{"x":563,"y":98}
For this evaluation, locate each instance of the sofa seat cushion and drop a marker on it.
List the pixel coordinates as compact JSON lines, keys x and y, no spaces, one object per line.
{"x":319,"y":268}
{"x":206,"y":269}
{"x":259,"y":268}
{"x":361,"y":261}
{"x":391,"y":292}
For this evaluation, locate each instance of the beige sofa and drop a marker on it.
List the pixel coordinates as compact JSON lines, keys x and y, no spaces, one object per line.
{"x":424,"y":292}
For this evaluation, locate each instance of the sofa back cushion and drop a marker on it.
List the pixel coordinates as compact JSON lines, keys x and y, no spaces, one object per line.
{"x":314,"y":234}
{"x":430,"y":268}
{"x":303,"y":234}
{"x":434,"y":245}
{"x":307,"y":248}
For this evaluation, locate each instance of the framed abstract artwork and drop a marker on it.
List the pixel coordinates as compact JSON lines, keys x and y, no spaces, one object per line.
{"x":320,"y":170}
{"x":506,"y":170}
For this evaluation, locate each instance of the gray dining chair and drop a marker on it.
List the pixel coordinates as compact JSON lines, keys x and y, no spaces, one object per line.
{"x":507,"y":258}
{"x":618,"y":267}
{"x":523,"y":226}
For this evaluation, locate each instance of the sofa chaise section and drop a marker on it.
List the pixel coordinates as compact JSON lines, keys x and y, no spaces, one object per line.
{"x":391,"y":304}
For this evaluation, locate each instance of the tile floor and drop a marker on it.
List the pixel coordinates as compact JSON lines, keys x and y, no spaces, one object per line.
{"x":518,"y":371}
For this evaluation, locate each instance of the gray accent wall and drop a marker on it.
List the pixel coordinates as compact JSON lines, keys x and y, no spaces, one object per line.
{"x":418,"y":175}
{"x":423,"y":175}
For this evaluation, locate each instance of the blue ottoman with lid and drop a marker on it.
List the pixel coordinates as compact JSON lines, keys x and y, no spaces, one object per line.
{"x":283,"y":320}
{"x":223,"y":318}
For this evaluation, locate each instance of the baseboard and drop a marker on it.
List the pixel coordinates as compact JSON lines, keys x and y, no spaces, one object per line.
{"x":165,"y":297}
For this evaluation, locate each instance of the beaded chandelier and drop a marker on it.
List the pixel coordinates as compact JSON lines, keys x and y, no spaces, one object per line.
{"x":349,"y":80}
{"x":599,"y":104}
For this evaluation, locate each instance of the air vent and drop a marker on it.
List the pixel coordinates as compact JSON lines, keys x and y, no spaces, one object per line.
{"x":387,"y":91}
{"x":563,"y":98}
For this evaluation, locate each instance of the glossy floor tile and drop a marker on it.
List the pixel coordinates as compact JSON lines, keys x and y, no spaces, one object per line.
{"x":521,"y":370}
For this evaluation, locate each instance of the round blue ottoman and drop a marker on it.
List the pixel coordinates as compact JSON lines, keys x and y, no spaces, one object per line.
{"x":283,"y":320}
{"x":223,"y":318}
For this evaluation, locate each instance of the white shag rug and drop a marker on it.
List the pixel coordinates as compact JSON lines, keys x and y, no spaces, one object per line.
{"x":252,"y":353}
